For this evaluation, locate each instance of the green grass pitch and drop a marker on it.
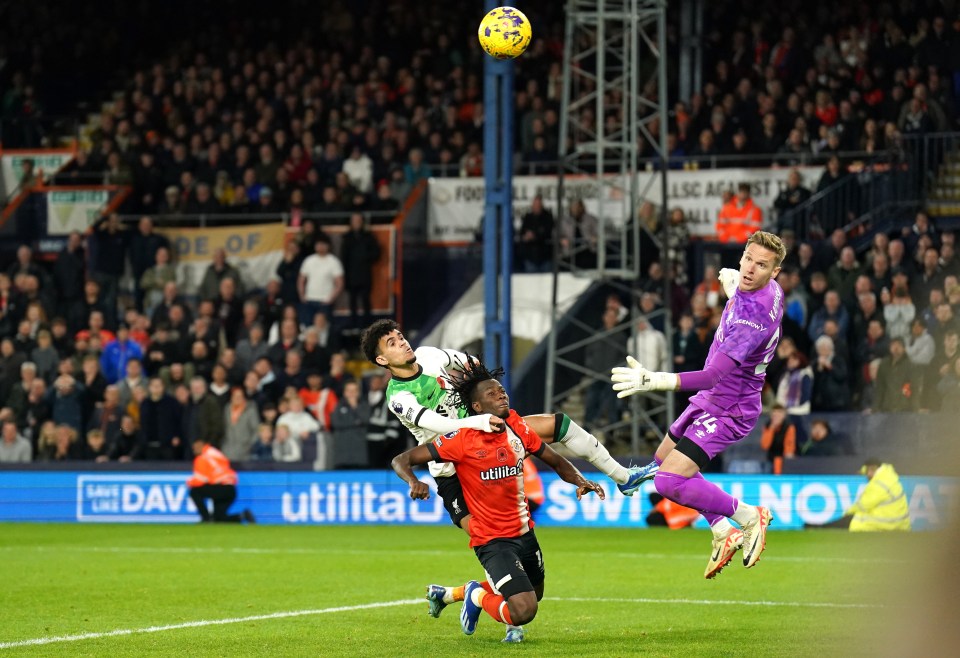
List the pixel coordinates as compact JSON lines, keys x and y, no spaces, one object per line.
{"x":608,"y":592}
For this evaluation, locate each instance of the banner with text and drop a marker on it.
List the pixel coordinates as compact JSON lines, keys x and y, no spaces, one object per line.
{"x":455,"y":205}
{"x":378,"y":497}
{"x":74,"y":210}
{"x":48,"y":161}
{"x":254,"y":249}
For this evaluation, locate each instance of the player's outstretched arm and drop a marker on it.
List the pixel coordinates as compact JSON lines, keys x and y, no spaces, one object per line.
{"x":569,"y":473}
{"x":403,"y":466}
{"x":431,"y":420}
{"x":637,"y":379}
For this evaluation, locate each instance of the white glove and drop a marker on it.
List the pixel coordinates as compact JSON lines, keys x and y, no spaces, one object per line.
{"x":730,"y":281}
{"x":637,"y":379}
{"x":482,"y":422}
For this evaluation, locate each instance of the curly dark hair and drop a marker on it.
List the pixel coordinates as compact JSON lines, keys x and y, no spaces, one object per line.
{"x":370,"y":339}
{"x":464,"y":386}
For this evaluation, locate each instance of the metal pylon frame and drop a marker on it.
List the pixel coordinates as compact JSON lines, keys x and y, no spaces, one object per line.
{"x":614,"y":96}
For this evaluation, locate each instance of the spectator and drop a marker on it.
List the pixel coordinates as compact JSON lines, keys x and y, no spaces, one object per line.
{"x":161,"y":423}
{"x":579,"y":236}
{"x":843,"y":275}
{"x":251,"y":348}
{"x":338,"y":374}
{"x":789,"y":199}
{"x":154,"y":280}
{"x":319,"y":401}
{"x":948,"y":388}
{"x":69,"y":274}
{"x":832,"y":310}
{"x":127,"y":442}
{"x":144,"y":245}
{"x":919,"y":345}
{"x":132,"y":380}
{"x":95,"y":448}
{"x":66,"y":402}
{"x":779,"y":439}
{"x":896,"y":379}
{"x":216,"y":272}
{"x":241,"y":419}
{"x":535,"y":248}
{"x":348,"y":424}
{"x":118,"y":353}
{"x":320,"y":281}
{"x":739,"y":217}
{"x":795,"y":389}
{"x":262,"y":449}
{"x":202,"y":416}
{"x":288,"y":270}
{"x":928,"y":276}
{"x":359,"y":169}
{"x":286,"y":448}
{"x":360,"y":251}
{"x":824,"y":442}
{"x":416,"y":169}
{"x":63,"y":445}
{"x":831,"y":378}
{"x":109,"y":253}
{"x":14,"y":449}
{"x":898,"y":308}
{"x":385,"y":433}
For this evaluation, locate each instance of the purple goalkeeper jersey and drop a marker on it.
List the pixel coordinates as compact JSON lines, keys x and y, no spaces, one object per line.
{"x":748,"y":333}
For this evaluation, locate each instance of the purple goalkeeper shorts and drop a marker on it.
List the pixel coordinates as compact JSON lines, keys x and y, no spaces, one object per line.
{"x":713,"y":433}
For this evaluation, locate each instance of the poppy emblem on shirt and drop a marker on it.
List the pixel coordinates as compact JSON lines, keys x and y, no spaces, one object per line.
{"x":501,"y":455}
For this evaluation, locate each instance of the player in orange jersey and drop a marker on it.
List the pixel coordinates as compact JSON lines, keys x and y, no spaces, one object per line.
{"x":490,"y":467}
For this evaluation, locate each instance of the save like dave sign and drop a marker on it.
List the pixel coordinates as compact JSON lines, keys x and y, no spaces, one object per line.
{"x":134,"y":498}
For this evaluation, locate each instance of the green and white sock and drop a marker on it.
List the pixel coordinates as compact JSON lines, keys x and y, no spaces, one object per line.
{"x":586,"y":446}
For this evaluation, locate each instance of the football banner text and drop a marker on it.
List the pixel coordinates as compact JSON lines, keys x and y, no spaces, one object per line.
{"x":379,"y":497}
{"x":455,"y":205}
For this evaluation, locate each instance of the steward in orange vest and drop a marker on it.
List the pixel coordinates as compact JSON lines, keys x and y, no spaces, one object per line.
{"x":668,"y":513}
{"x":739,"y":218}
{"x":213,"y":479}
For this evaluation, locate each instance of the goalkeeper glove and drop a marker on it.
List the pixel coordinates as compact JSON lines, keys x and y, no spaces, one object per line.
{"x":637,"y":379}
{"x":730,"y":280}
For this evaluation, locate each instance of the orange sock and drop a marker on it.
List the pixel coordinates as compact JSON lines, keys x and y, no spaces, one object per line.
{"x":496,"y":607}
{"x":458,"y":591}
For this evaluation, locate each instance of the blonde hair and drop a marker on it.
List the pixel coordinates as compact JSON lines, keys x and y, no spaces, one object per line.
{"x":770,"y":242}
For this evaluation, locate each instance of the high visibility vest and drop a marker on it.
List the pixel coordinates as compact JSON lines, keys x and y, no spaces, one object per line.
{"x":532,"y":484}
{"x":211,"y":467}
{"x":677,"y":516}
{"x":737,"y":223}
{"x":882,"y":505}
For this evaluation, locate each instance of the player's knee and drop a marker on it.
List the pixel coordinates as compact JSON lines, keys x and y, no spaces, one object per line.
{"x":523,"y":608}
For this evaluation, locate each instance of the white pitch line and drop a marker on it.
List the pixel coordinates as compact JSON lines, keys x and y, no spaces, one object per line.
{"x":173,"y":550}
{"x":198,"y":624}
{"x":121,"y":632}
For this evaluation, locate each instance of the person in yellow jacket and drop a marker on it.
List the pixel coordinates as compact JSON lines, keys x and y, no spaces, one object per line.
{"x":882,"y":505}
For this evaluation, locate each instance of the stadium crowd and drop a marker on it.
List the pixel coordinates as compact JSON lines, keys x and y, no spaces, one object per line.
{"x":274,"y":124}
{"x":332,"y":125}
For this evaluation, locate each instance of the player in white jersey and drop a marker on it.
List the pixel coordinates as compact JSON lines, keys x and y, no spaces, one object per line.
{"x":419,"y":394}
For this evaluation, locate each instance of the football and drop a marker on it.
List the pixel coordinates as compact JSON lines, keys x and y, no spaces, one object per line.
{"x":505,"y":33}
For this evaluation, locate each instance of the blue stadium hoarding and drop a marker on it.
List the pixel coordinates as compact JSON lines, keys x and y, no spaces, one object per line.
{"x":378,"y":497}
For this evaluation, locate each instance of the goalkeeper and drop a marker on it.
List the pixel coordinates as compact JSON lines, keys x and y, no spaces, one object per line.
{"x":727,"y":405}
